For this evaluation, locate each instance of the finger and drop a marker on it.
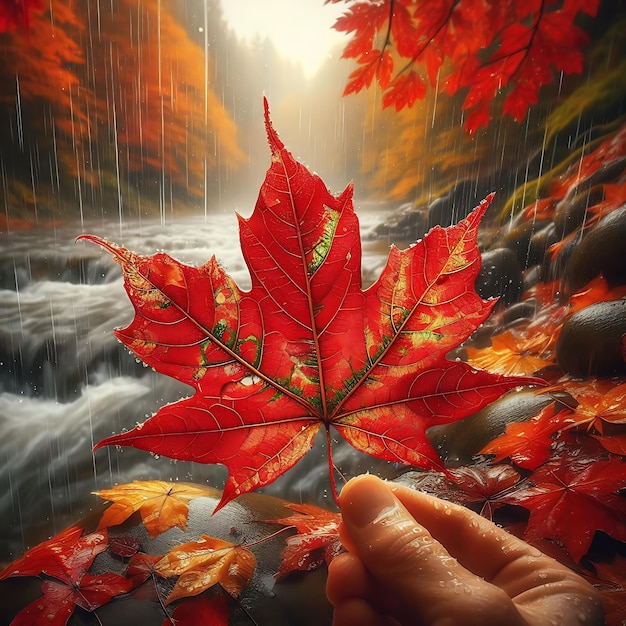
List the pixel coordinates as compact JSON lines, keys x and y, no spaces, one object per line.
{"x":347,"y":578}
{"x":405,"y":559}
{"x":479,"y":545}
{"x":358,"y":612}
{"x":538,"y":584}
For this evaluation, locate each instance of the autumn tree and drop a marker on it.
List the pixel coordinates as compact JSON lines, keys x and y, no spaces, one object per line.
{"x":102,"y":103}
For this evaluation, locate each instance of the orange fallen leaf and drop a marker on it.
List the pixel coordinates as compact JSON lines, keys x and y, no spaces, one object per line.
{"x":201,"y":564}
{"x":528,"y":444}
{"x":162,"y":505}
{"x":506,"y":355}
{"x":596,"y":290}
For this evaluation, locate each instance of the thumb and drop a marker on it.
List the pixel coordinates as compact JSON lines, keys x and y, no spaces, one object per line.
{"x":401,"y":555}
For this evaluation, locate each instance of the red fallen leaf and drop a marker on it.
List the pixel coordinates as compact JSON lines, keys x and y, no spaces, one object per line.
{"x":66,"y":559}
{"x":201,"y":610}
{"x":125,"y":547}
{"x":612,"y":585}
{"x":306,"y":347}
{"x":316,"y":541}
{"x":162,"y":505}
{"x":601,"y":410}
{"x":141,"y":566}
{"x":616,"y":444}
{"x":201,"y":564}
{"x":609,"y":150}
{"x":484,"y":485}
{"x":570,"y":497}
{"x":528,"y":444}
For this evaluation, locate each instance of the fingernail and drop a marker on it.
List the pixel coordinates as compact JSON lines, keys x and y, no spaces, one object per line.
{"x":364,"y":500}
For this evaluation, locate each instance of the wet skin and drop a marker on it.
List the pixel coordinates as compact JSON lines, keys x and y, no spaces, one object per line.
{"x":416,"y":560}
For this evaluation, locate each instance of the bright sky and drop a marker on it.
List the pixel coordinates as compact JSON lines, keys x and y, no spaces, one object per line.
{"x":299,"y":29}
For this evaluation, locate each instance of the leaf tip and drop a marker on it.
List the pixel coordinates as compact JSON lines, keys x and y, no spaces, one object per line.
{"x":276,"y":145}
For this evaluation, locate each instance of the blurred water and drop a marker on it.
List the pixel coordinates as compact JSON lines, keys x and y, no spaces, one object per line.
{"x":66,"y":382}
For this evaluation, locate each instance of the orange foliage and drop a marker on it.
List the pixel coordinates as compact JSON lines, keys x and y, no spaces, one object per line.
{"x":201,"y":564}
{"x":162,"y":109}
{"x":128,"y":88}
{"x":509,"y":355}
{"x":162,"y":505}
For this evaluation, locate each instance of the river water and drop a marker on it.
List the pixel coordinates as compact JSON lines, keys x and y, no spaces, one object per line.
{"x":66,"y":382}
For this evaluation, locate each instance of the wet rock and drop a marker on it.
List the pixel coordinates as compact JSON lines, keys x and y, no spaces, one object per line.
{"x":533,"y":276}
{"x":528,"y":240}
{"x":500,"y":276}
{"x":601,"y":251}
{"x":298,"y":599}
{"x":610,"y":172}
{"x":520,"y":311}
{"x":571,"y":211}
{"x":459,"y":442}
{"x":555,"y":265}
{"x":591,"y":341}
{"x":407,"y":223}
{"x":457,"y":204}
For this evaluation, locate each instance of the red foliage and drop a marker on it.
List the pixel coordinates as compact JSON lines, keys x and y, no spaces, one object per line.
{"x":65,"y":561}
{"x":571,"y":496}
{"x":16,"y":13}
{"x":484,"y":485}
{"x":306,"y":346}
{"x":201,"y":610}
{"x":316,"y":542}
{"x":515,"y":47}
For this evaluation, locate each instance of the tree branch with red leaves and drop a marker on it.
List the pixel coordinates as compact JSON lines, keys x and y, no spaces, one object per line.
{"x":510,"y":48}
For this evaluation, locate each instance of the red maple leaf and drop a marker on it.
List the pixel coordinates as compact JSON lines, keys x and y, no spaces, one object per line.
{"x":484,"y":485}
{"x":64,"y":562}
{"x":528,"y":444}
{"x":306,"y":347}
{"x":201,"y":610}
{"x":573,"y":495}
{"x":317,"y":540}
{"x":486,"y":47}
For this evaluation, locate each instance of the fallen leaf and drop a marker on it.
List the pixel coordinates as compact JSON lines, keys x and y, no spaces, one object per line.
{"x":162,"y":505}
{"x":528,"y":444}
{"x":317,"y":540}
{"x":507,"y":355}
{"x":201,"y":610}
{"x":484,"y":485}
{"x":201,"y":564}
{"x":65,"y":561}
{"x":570,"y":497}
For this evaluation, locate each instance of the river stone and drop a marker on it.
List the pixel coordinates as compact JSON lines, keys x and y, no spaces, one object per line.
{"x":600,"y":252}
{"x":572,"y":211}
{"x":500,"y":276}
{"x":297,"y":599}
{"x":591,"y":341}
{"x":459,"y":442}
{"x":526,"y":241}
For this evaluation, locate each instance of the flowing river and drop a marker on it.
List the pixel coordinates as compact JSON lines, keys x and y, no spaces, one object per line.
{"x":66,"y":382}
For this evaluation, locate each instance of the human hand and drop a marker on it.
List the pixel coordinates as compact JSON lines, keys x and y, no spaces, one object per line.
{"x":414,"y":559}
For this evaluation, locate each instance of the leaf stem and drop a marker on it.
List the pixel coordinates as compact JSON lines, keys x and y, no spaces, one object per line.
{"x":331,"y":466}
{"x":264,"y":539}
